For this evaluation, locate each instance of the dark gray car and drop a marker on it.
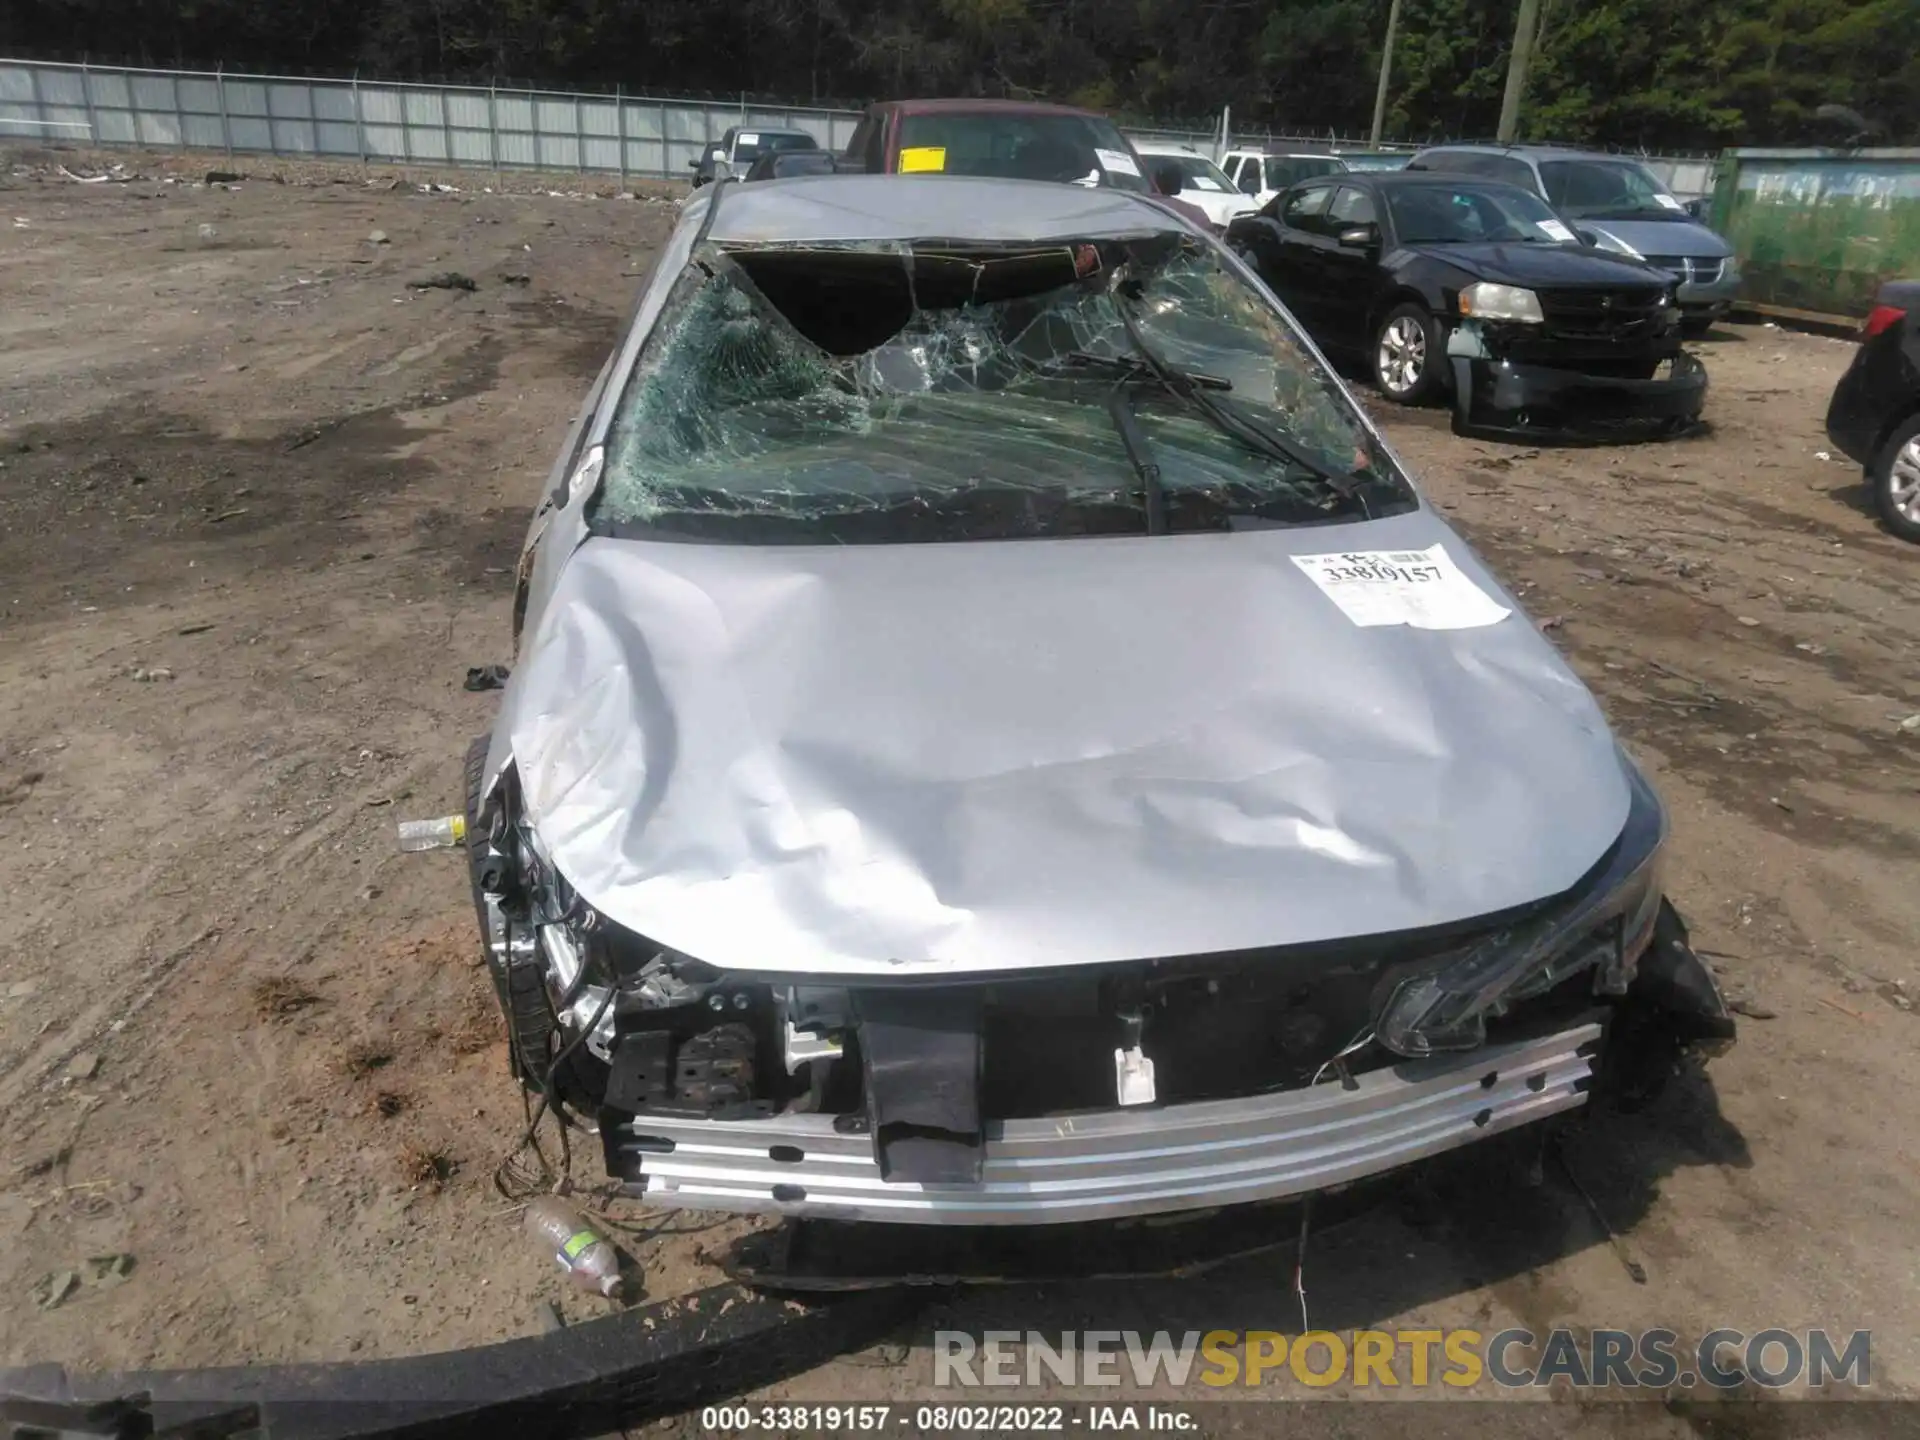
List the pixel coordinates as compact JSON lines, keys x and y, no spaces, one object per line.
{"x":1618,"y":204}
{"x":741,"y":145}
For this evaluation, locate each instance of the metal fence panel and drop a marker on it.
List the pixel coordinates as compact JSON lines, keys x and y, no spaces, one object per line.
{"x":159,"y":131}
{"x":200,"y":97}
{"x":203,"y":132}
{"x":63,"y":87}
{"x":153,"y":92}
{"x":334,"y":102}
{"x":335,"y":137}
{"x":381,"y":106}
{"x":250,"y":134}
{"x":467,"y":110}
{"x":245,"y":97}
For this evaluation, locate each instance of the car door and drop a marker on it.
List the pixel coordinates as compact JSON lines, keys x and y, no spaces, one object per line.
{"x":1296,"y":272}
{"x":1349,"y":272}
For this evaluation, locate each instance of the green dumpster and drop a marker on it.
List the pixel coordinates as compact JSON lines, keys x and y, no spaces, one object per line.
{"x":1818,"y":230}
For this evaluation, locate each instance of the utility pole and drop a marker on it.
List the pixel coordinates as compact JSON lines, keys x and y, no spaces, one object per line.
{"x":1386,"y":68}
{"x":1523,"y":33}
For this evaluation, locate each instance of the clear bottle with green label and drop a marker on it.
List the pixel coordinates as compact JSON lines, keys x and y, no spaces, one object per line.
{"x":577,"y":1247}
{"x":447,"y":833}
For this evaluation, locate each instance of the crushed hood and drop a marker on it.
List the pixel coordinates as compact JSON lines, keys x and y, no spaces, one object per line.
{"x":1002,"y":755}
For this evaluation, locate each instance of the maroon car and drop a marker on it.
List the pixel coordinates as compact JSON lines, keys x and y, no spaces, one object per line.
{"x":1011,"y":139}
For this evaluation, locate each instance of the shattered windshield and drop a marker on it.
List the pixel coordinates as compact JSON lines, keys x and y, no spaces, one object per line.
{"x":882,"y":393}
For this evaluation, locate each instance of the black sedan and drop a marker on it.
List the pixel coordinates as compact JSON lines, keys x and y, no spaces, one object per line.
{"x":1446,"y":284}
{"x":1874,"y":416}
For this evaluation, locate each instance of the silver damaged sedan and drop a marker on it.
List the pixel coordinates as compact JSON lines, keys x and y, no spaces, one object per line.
{"x":996,"y":737}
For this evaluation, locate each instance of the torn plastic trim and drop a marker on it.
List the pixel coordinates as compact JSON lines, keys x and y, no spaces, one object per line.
{"x":642,"y":1364}
{"x":1606,"y":925}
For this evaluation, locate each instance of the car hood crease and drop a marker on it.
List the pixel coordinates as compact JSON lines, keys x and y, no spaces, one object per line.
{"x":979,"y":756}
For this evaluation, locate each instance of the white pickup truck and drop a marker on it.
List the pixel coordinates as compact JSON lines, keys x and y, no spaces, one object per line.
{"x":1202,"y":183}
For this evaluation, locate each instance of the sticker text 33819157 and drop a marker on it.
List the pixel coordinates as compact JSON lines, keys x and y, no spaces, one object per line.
{"x":1423,"y":589}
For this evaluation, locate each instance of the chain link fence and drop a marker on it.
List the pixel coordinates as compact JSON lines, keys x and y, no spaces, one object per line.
{"x":477,"y":126}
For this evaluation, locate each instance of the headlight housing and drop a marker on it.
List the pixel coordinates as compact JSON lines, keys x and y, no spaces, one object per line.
{"x":1487,"y":301}
{"x":1606,"y":928}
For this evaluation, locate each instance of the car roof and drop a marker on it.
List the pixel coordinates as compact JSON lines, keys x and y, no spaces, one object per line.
{"x":770,"y":130}
{"x":823,"y":209}
{"x":1410,"y":180}
{"x":958,"y":106}
{"x":1285,"y":154}
{"x":1538,"y":151}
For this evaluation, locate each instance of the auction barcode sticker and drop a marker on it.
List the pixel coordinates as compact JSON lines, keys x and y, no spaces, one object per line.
{"x":1423,"y":589}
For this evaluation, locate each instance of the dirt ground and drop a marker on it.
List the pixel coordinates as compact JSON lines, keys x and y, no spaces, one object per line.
{"x":258,"y":504}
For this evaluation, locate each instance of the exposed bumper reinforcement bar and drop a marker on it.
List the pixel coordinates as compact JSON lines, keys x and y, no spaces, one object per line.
{"x":1115,"y":1163}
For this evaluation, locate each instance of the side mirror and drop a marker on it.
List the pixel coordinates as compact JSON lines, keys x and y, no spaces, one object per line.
{"x":716,"y":154}
{"x":1360,"y":237}
{"x":1587,"y":238}
{"x":1697,"y":209}
{"x":1168,"y":180}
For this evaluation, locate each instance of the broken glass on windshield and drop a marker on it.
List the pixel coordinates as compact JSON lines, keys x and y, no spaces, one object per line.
{"x":853,"y":393}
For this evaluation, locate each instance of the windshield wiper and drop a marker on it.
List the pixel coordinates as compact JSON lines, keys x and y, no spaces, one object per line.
{"x":1120,"y":367}
{"x":1134,"y":442}
{"x":1250,"y":432}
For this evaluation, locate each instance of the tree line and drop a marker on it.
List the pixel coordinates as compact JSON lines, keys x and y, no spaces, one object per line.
{"x":1657,"y":74}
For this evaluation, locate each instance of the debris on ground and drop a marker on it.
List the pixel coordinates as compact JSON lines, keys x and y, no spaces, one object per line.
{"x":427,"y":1168}
{"x":378,"y":237}
{"x":446,"y":833}
{"x":583,"y":1252}
{"x":281,"y":997}
{"x":55,"y":1288}
{"x":1752,"y":1009}
{"x":146,"y":675}
{"x":445,"y":280}
{"x":112,"y":175}
{"x":208,"y":232}
{"x":109,"y":1270}
{"x":224,"y":177}
{"x":486,"y":677}
{"x":517,"y":277}
{"x":83,"y":1066}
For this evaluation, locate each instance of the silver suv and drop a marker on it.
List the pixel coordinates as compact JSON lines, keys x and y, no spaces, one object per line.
{"x":1616,"y":204}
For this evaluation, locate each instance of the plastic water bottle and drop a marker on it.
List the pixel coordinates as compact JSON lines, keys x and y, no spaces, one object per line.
{"x":447,"y":833}
{"x":577,"y":1247}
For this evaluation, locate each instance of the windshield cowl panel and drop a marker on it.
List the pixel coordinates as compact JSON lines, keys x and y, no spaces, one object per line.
{"x":892,"y":392}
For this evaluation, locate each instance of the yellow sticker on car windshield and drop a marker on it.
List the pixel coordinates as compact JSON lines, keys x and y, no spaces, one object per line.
{"x":920,"y":159}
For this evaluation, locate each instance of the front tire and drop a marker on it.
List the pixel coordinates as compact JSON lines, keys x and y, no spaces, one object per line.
{"x":1895,"y":478}
{"x":1408,"y":355}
